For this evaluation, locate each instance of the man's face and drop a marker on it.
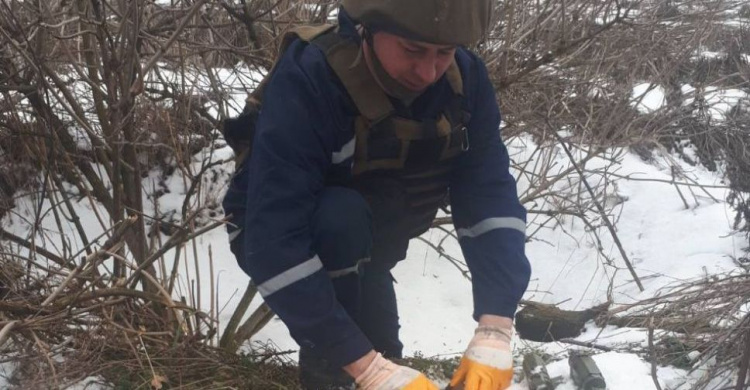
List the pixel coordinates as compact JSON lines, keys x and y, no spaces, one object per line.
{"x":416,"y":65}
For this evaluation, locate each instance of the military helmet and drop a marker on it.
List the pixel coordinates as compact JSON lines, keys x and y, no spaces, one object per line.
{"x":444,"y":22}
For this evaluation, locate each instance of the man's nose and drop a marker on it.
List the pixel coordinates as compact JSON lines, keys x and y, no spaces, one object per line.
{"x":426,"y":70}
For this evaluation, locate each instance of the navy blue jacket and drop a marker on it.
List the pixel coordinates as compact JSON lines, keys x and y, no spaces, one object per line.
{"x":304,"y":138}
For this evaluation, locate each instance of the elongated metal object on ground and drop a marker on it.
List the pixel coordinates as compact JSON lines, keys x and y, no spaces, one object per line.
{"x":536,"y":373}
{"x":585,"y":373}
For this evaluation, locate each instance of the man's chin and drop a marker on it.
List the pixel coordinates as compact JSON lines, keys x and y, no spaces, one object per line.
{"x":414,"y":87}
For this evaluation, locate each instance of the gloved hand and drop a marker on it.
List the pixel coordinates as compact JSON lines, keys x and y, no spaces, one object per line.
{"x":383,"y":374}
{"x":488,"y":362}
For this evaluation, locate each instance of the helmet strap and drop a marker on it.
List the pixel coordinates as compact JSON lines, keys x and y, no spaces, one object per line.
{"x":388,"y":83}
{"x":367,"y":36}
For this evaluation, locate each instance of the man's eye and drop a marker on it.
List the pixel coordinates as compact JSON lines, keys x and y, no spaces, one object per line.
{"x":413,"y":51}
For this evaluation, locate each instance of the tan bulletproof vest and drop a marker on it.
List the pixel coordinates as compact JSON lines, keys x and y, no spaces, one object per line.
{"x":419,"y":154}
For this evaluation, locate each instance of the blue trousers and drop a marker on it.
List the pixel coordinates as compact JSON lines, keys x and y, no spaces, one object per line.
{"x":358,"y":254}
{"x":359,"y":257}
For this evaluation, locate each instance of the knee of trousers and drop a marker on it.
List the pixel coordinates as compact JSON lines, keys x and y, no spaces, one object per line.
{"x":341,"y":229}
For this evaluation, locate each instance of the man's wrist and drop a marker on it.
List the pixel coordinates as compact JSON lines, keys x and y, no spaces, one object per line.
{"x":495,"y":321}
{"x":359,"y":366}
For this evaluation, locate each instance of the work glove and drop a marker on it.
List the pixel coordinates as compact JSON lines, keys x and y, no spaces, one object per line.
{"x":383,"y":374}
{"x":488,"y":362}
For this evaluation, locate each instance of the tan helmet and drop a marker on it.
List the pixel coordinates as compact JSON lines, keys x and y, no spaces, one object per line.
{"x":444,"y":22}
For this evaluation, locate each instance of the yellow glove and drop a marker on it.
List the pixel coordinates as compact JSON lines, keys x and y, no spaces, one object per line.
{"x":383,"y":374}
{"x":488,"y":362}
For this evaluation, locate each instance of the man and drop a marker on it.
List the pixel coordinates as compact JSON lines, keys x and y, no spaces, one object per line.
{"x":362,"y":133}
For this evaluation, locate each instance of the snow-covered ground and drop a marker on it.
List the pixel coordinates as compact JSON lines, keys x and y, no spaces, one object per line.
{"x":666,"y":242}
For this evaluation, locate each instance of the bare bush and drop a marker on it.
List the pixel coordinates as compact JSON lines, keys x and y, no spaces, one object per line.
{"x":96,"y":95}
{"x":65,"y":326}
{"x":709,"y":316}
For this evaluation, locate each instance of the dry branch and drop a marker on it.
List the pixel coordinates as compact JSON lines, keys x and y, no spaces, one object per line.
{"x":85,"y":88}
{"x":602,"y":212}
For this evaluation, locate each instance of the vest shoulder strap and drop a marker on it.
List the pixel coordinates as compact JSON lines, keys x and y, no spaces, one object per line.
{"x":454,"y":79}
{"x":240,"y":131}
{"x":345,"y":58}
{"x":305,"y":33}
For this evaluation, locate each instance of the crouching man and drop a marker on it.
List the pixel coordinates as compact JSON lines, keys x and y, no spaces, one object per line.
{"x":366,"y":130}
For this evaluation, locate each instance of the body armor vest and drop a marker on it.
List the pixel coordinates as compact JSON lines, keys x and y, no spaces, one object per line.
{"x":413,"y":157}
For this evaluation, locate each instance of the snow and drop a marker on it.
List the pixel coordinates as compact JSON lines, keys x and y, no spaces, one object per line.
{"x":648,"y":98}
{"x":617,"y":369}
{"x":720,"y":101}
{"x":90,"y":383}
{"x":240,"y":80}
{"x":709,"y":54}
{"x":665,"y":241}
{"x":688,"y":94}
{"x":717,"y":101}
{"x":6,"y":370}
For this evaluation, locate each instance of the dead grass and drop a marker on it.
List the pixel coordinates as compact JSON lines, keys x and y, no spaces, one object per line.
{"x":571,"y":69}
{"x":706,"y":315}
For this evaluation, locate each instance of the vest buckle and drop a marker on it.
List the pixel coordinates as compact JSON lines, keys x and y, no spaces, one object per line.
{"x":465,"y":138}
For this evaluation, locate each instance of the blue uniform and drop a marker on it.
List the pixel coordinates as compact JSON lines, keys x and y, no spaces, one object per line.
{"x":303,"y":147}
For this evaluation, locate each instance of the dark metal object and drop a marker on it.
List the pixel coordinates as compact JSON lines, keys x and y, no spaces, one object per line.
{"x":536,"y":373}
{"x":585,"y":373}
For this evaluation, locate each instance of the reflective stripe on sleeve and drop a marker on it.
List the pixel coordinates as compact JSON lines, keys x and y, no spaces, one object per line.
{"x":346,"y":152}
{"x":343,"y":272}
{"x":492,"y":224}
{"x":290,"y":276}
{"x":346,"y":271}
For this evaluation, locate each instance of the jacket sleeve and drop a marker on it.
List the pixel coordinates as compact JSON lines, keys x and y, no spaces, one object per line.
{"x":487,"y":213}
{"x":286,"y":173}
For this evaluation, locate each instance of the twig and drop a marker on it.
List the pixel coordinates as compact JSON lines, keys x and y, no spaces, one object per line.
{"x":601,"y":210}
{"x":4,"y":235}
{"x":265,"y":356}
{"x":228,"y":338}
{"x":684,"y":201}
{"x":62,"y":286}
{"x":442,"y":221}
{"x":119,"y":292}
{"x":703,"y":188}
{"x":652,"y":352}
{"x":44,"y":348}
{"x":212,"y":279}
{"x":148,"y":358}
{"x":745,"y":363}
{"x":5,"y":332}
{"x":260,"y":317}
{"x":586,"y":344}
{"x":177,"y":239}
{"x":448,"y":257}
{"x":672,"y":182}
{"x":163,"y":48}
